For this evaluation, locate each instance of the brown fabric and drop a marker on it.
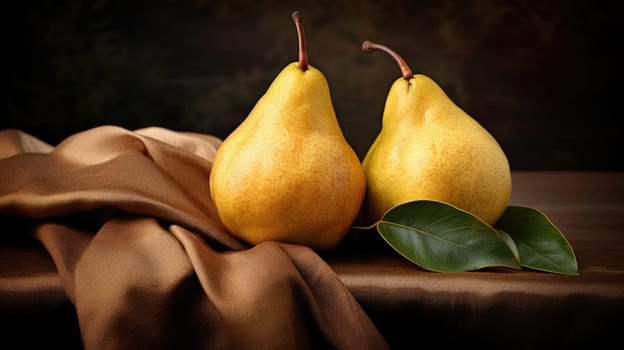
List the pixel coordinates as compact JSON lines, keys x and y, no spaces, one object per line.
{"x":141,"y":253}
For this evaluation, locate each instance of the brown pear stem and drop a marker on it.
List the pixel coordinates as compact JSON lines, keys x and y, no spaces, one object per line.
{"x":369,"y":46}
{"x":303,"y":55}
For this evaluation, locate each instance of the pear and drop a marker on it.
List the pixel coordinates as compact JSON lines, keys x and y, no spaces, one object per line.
{"x":287,"y":173}
{"x":429,"y":148}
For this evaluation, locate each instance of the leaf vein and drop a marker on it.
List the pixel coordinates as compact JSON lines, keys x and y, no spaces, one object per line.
{"x":428,"y":234}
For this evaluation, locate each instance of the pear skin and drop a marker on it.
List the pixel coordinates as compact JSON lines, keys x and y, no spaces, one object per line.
{"x":429,"y":148}
{"x":287,"y":173}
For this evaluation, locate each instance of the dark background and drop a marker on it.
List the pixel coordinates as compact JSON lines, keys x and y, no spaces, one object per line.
{"x":541,"y":76}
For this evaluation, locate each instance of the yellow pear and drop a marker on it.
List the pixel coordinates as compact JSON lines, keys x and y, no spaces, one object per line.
{"x":287,"y":173}
{"x":429,"y":148}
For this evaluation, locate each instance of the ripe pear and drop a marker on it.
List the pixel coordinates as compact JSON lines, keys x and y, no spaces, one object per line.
{"x":429,"y":148}
{"x":287,"y":173}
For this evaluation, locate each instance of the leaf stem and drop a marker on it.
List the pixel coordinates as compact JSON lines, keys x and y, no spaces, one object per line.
{"x":364,"y":228}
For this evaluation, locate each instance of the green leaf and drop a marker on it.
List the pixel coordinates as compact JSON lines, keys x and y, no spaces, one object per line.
{"x":439,"y":237}
{"x":541,"y":245}
{"x":510,"y":242}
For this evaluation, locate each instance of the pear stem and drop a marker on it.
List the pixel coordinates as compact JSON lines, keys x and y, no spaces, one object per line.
{"x":369,"y":46}
{"x":303,"y":55}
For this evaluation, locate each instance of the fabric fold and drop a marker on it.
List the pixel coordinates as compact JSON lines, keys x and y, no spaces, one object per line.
{"x":111,"y":166}
{"x":128,"y":220}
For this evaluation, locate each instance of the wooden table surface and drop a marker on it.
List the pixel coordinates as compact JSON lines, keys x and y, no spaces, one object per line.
{"x":411,"y":306}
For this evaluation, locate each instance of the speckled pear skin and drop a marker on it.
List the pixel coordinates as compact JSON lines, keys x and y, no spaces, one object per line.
{"x":429,"y":148}
{"x":287,"y":173}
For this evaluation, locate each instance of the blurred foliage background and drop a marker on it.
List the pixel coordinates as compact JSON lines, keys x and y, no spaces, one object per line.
{"x":541,"y":76}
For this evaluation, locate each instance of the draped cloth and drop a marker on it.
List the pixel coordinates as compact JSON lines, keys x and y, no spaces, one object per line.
{"x":142,"y":255}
